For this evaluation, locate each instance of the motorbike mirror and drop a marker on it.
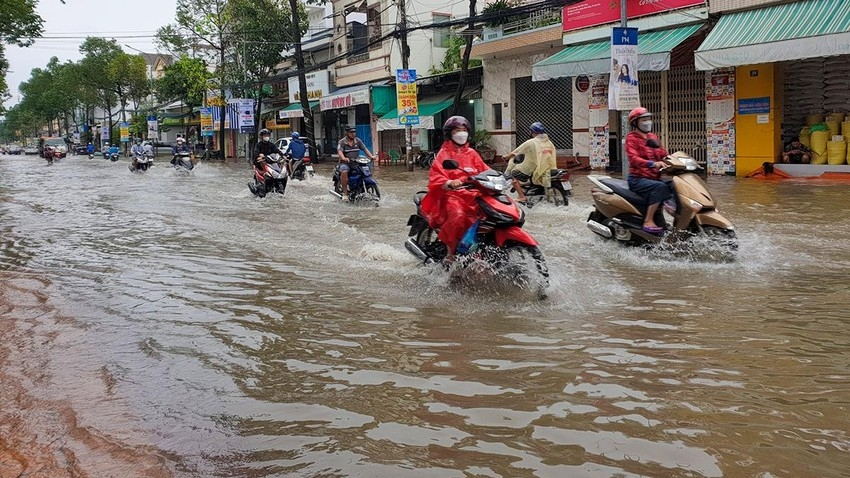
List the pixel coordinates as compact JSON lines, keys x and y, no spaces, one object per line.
{"x":450,"y":164}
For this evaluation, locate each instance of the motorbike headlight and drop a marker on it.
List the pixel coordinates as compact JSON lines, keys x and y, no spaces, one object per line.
{"x":697,"y":207}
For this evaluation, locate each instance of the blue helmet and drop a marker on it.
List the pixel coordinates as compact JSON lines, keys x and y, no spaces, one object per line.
{"x":537,"y":127}
{"x":295,"y":135}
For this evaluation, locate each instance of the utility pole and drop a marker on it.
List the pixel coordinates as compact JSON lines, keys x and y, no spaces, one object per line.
{"x":624,"y":115}
{"x":464,"y":66}
{"x":405,"y":56}
{"x":302,"y":81}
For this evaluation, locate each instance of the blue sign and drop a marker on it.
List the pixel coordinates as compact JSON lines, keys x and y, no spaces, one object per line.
{"x":754,"y":106}
{"x":624,"y":36}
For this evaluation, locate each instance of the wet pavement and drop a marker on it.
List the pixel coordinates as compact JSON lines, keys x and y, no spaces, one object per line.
{"x":168,"y":325}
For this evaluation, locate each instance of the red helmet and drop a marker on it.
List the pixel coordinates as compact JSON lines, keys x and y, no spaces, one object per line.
{"x":637,"y":113}
{"x":455,"y":122}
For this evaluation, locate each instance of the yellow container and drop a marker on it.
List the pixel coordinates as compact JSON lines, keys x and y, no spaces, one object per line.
{"x":835,"y":117}
{"x":834,"y":128}
{"x":836,"y":152}
{"x":819,"y":140}
{"x":814,"y":119}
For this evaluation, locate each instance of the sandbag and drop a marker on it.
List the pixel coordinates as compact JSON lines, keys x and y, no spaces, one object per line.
{"x":839,"y":117}
{"x":845,"y":129}
{"x":819,"y":158}
{"x":836,"y":152}
{"x":819,"y":140}
{"x":814,"y":119}
{"x":834,"y":128}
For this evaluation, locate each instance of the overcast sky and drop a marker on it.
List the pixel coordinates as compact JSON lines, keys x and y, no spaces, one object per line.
{"x":131,"y":23}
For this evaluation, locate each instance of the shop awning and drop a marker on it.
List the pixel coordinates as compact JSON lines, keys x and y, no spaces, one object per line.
{"x":293,"y":110}
{"x":790,"y":31}
{"x":595,"y":58}
{"x":428,"y":108}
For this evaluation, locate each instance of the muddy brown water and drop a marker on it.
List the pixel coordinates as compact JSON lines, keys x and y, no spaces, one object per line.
{"x":162,"y":325}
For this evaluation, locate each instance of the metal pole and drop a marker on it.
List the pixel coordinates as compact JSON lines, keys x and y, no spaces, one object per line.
{"x":405,"y":54}
{"x":624,"y":115}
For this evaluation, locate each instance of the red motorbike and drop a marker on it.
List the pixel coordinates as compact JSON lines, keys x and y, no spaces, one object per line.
{"x":496,"y":239}
{"x":51,"y":154}
{"x":270,"y":174}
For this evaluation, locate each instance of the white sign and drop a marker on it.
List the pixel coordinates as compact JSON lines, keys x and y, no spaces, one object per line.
{"x":246,"y":115}
{"x":345,"y":100}
{"x":623,"y":92}
{"x":762,"y":119}
{"x":318,"y":85}
{"x":296,"y":113}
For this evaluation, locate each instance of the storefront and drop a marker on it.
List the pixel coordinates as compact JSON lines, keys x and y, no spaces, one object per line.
{"x":349,"y":106}
{"x":791,"y":67}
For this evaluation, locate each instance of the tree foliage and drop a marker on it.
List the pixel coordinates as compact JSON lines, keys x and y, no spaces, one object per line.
{"x":185,"y":80}
{"x":453,"y":61}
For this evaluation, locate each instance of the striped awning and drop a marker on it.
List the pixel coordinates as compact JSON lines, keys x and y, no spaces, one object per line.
{"x":595,"y":58}
{"x":790,"y":31}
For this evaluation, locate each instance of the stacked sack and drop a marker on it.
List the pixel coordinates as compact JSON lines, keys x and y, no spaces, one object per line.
{"x":819,"y":139}
{"x":836,"y":150}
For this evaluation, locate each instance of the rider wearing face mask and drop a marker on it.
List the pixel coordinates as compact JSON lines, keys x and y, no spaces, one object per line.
{"x":447,"y":207}
{"x":645,"y":163}
{"x":265,"y":147}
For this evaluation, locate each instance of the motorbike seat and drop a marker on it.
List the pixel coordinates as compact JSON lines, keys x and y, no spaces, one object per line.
{"x":417,"y":198}
{"x":621,"y":188}
{"x":554,"y":173}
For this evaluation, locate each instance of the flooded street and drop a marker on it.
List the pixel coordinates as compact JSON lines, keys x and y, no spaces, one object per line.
{"x":160,"y":325}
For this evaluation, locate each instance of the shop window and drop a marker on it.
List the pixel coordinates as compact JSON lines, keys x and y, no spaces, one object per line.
{"x":497,"y":116}
{"x":441,"y":35}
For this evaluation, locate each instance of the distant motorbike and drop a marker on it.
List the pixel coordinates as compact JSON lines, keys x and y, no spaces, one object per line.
{"x":361,"y":185}
{"x":559,"y":192}
{"x":50,"y":155}
{"x":618,"y":212}
{"x":299,"y":168}
{"x":270,"y":175}
{"x":183,"y":162}
{"x":142,"y":161}
{"x":496,"y":238}
{"x":425,"y":159}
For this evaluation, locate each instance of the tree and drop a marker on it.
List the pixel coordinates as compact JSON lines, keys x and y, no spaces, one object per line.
{"x":297,"y":31}
{"x":203,"y":27}
{"x":453,"y":60}
{"x":464,"y":67}
{"x":186,"y":80}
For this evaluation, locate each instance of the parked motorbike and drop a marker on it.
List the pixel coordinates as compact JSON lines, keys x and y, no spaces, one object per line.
{"x":299,"y":168}
{"x":496,"y":238}
{"x":618,"y":212}
{"x":270,"y":175}
{"x":361,"y":184}
{"x":425,"y":159}
{"x":183,"y":162}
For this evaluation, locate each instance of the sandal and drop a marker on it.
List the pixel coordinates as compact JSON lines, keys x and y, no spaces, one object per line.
{"x":653,"y":230}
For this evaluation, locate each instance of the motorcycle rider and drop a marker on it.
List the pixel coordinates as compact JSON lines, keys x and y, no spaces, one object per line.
{"x":347,"y":149}
{"x":178,"y":148}
{"x":645,"y":155}
{"x":135,"y":151}
{"x":114,"y":150}
{"x":539,"y":161}
{"x":446,"y":206}
{"x":264,"y":146}
{"x":90,"y":149}
{"x":296,"y":147}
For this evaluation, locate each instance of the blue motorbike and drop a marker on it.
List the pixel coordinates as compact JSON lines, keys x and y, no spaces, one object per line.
{"x":361,"y":185}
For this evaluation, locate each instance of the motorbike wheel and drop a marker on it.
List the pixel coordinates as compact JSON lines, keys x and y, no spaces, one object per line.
{"x":431,"y":245}
{"x":373,"y":190}
{"x":526,"y":267}
{"x":260,"y":189}
{"x":723,"y":237}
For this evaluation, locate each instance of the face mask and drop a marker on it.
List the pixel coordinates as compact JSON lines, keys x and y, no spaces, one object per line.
{"x":460,"y":137}
{"x":265,"y":139}
{"x":646,"y":126}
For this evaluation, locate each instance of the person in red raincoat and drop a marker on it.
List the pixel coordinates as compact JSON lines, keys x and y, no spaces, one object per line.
{"x":646,"y":157}
{"x":446,"y":207}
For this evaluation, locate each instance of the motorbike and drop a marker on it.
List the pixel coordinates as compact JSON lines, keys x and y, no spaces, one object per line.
{"x":559,"y":193}
{"x":183,"y":162}
{"x":49,"y":154}
{"x":113,"y":156}
{"x":496,"y":239}
{"x":618,"y":212}
{"x":425,"y":159}
{"x":143,"y":161}
{"x":299,"y":168}
{"x":361,"y":184}
{"x":270,"y":175}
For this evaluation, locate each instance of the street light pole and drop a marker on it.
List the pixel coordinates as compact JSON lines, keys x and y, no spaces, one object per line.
{"x":624,"y":115}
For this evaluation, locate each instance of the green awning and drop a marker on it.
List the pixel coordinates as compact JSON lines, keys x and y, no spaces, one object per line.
{"x":297,"y":106}
{"x":383,"y":99}
{"x":790,"y":31}
{"x":426,"y":108}
{"x":595,"y":58}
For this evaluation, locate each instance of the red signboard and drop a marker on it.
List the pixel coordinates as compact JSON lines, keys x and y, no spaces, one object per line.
{"x":598,"y":12}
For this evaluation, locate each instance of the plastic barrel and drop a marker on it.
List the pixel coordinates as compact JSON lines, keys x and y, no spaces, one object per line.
{"x":814,"y":119}
{"x":836,"y":152}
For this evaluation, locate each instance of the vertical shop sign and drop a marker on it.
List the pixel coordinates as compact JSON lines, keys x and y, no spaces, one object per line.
{"x":246,"y":115}
{"x":720,"y":120}
{"x":104,"y":132}
{"x":408,"y":108}
{"x":125,"y":133}
{"x":598,"y":116}
{"x":207,"y":128}
{"x":153,"y":127}
{"x":623,"y":92}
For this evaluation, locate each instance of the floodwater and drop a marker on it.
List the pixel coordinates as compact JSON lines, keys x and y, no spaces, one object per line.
{"x":160,"y":325}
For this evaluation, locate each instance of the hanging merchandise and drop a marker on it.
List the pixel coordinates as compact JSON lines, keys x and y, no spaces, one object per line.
{"x":836,"y":152}
{"x":819,"y":140}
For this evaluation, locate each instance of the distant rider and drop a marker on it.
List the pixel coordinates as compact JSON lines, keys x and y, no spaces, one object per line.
{"x":646,"y":156}
{"x":296,"y":147}
{"x":446,"y":206}
{"x":540,"y":160}
{"x":135,"y":151}
{"x":90,"y":149}
{"x":178,"y":148}
{"x":347,"y":149}
{"x":264,"y":147}
{"x":114,"y":150}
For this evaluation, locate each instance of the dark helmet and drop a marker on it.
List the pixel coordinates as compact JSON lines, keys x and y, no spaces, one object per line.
{"x":265,"y":132}
{"x":349,"y":129}
{"x":638,"y":113}
{"x":295,"y":135}
{"x":537,"y":127}
{"x":453,"y":123}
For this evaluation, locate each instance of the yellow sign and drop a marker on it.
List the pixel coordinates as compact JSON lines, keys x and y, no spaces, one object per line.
{"x":408,"y":108}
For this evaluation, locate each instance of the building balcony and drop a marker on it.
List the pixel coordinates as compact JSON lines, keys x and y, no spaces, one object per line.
{"x":520,"y":36}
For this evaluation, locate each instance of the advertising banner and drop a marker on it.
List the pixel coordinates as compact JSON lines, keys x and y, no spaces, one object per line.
{"x":623,"y":83}
{"x":125,"y":132}
{"x":345,"y":100}
{"x":408,"y":108}
{"x":153,"y":127}
{"x":246,"y":115}
{"x":318,"y":85}
{"x":599,"y":12}
{"x":207,"y":128}
{"x":104,"y":132}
